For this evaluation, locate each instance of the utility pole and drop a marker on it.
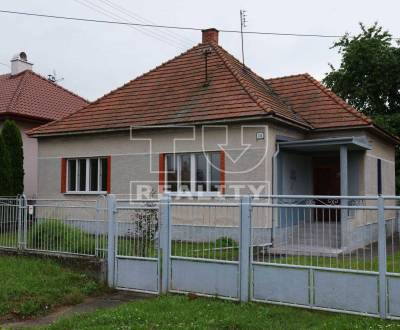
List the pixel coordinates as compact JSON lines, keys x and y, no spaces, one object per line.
{"x":243,"y":22}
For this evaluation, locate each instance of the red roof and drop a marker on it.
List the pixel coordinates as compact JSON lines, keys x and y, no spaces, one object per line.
{"x":175,"y":92}
{"x":315,"y":103}
{"x":29,"y":95}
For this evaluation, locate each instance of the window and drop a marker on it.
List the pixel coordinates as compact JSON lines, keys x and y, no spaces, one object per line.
{"x":193,"y":172}
{"x":87,"y":174}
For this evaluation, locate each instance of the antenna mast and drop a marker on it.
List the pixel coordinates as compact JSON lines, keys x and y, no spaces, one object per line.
{"x":243,"y":22}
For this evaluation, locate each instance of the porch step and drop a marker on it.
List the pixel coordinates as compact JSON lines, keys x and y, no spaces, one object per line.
{"x":304,"y":250}
{"x":307,"y":237}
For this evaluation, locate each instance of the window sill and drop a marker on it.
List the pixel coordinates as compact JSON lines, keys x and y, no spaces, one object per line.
{"x":85,"y":193}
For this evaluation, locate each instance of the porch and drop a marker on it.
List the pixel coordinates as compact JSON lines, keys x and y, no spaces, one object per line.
{"x":326,"y":169}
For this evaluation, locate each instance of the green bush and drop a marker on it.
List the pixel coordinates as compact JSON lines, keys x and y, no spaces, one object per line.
{"x":5,"y":170}
{"x":225,"y":241}
{"x":54,"y":235}
{"x":13,"y":144}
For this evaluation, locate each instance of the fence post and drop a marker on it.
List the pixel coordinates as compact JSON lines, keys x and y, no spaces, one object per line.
{"x":382,"y":257}
{"x":20,"y":223}
{"x":25,"y":212}
{"x":164,"y":241}
{"x":244,"y":247}
{"x":96,"y":243}
{"x":111,"y":254}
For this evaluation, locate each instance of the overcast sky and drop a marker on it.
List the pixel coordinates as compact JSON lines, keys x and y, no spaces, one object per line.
{"x":95,"y":58}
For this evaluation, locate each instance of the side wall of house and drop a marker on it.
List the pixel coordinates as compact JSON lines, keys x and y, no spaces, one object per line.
{"x":135,"y":160}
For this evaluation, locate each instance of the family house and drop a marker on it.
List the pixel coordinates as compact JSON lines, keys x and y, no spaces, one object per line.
{"x":31,"y":100}
{"x":203,"y":122}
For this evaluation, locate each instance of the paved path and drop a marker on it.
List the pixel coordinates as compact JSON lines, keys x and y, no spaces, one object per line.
{"x":89,"y":305}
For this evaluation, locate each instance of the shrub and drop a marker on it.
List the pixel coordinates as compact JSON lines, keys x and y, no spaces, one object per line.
{"x":5,"y":170}
{"x":13,"y":143}
{"x":226,"y":242}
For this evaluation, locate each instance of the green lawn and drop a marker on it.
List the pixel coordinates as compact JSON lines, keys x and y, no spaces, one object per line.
{"x":179,"y":312}
{"x":54,"y":235}
{"x":35,"y":286}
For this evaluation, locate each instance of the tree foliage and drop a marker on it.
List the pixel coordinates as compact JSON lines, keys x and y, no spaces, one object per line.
{"x":369,"y":74}
{"x":13,"y":142}
{"x":368,"y":78}
{"x":5,"y":169}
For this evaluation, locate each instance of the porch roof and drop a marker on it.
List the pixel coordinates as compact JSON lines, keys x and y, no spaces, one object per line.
{"x":328,"y":144}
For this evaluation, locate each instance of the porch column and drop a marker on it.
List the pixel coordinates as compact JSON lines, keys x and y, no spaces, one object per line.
{"x":344,"y":191}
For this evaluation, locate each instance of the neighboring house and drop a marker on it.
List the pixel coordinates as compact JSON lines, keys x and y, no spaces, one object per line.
{"x":289,"y":136}
{"x":31,"y":100}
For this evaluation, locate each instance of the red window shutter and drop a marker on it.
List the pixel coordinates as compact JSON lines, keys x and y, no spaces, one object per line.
{"x":63,"y":175}
{"x":108,"y":174}
{"x":222,"y":172}
{"x":161,"y":172}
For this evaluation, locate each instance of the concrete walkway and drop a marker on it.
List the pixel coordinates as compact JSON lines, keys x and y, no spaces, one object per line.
{"x":90,"y":304}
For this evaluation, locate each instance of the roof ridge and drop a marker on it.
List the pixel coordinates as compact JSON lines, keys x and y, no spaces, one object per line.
{"x":241,"y":80}
{"x":58,"y":86}
{"x":220,"y":51}
{"x":287,"y":76}
{"x":285,"y":101}
{"x":17,"y":93}
{"x":338,"y":99}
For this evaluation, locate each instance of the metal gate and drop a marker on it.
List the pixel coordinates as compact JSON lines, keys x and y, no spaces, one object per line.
{"x":305,"y":266}
{"x":204,"y":257}
{"x":134,"y":246}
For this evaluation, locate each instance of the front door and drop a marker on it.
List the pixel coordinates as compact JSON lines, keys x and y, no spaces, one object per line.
{"x":326,"y":175}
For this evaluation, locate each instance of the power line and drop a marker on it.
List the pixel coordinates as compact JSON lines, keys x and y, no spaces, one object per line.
{"x":153,"y":34}
{"x":141,"y":19}
{"x":91,"y":20}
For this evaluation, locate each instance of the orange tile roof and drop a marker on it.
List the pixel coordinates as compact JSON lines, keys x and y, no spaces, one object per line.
{"x":175,"y":92}
{"x":29,"y":95}
{"x":315,"y":103}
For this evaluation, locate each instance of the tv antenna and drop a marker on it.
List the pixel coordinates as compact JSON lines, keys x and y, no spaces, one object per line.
{"x":53,"y":77}
{"x":243,"y":22}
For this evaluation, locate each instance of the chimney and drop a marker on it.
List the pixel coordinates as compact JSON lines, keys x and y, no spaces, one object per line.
{"x":210,"y":36}
{"x":19,"y":63}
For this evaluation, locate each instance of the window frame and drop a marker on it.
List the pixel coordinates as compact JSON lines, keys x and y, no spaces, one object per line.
{"x":87,"y":190}
{"x":193,"y":173}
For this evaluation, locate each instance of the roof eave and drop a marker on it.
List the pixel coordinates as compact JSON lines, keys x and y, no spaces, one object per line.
{"x":380,"y":131}
{"x":40,"y":119}
{"x":274,"y":117}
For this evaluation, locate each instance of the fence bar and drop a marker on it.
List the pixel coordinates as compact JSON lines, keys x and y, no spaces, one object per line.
{"x":164,"y":241}
{"x":382,"y":257}
{"x":111,"y":208}
{"x":245,"y":237}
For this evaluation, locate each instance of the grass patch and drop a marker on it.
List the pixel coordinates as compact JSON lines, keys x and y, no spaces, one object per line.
{"x":179,"y":312}
{"x":35,"y":286}
{"x":54,"y":235}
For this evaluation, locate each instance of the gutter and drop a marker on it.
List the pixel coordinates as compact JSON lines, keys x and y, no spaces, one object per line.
{"x":172,"y":125}
{"x":9,"y":114}
{"x":392,"y":138}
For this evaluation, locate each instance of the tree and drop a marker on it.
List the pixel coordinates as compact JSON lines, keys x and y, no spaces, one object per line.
{"x":368,"y":78}
{"x":5,"y":169}
{"x":13,"y":142}
{"x":369,"y":74}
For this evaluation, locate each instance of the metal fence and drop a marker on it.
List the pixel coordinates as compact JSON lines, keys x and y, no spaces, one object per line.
{"x":337,"y":253}
{"x":69,"y":227}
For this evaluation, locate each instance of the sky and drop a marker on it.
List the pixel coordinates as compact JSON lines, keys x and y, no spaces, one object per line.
{"x":93,"y":58}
